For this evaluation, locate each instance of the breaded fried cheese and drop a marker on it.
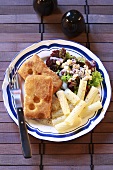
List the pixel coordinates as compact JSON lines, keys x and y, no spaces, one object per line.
{"x":36,"y":66}
{"x":38,"y":96}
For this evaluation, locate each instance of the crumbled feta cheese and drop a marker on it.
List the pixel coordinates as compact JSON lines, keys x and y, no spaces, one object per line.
{"x":74,"y":65}
{"x":58,"y":62}
{"x":63,"y":64}
{"x":77,"y":66}
{"x":66,"y":68}
{"x":69,"y":62}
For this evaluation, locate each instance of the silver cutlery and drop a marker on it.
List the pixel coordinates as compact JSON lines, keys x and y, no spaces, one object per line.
{"x":13,"y":79}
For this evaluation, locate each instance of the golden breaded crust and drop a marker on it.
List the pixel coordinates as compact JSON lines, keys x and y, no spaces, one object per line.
{"x":36,"y":66}
{"x":38,"y":96}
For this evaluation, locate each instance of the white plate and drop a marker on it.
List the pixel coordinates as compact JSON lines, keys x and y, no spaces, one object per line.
{"x":44,"y":49}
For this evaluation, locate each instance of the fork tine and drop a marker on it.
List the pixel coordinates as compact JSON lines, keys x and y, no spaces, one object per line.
{"x":9,"y":75}
{"x":16,"y":78}
{"x":13,"y":78}
{"x":14,"y":81}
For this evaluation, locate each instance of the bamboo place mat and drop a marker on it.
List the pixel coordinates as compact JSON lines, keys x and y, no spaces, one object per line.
{"x":20,"y":26}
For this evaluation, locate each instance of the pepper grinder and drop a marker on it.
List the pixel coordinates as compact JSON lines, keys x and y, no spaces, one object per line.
{"x":72,"y":23}
{"x":44,"y":7}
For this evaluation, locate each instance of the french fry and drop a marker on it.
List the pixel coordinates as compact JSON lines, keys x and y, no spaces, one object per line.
{"x":71,"y":118}
{"x":64,"y":127}
{"x":72,"y":97}
{"x":63,"y":102}
{"x":71,"y":106}
{"x":89,"y":110}
{"x":97,"y":98}
{"x":91,"y":95}
{"x":58,"y":120}
{"x":82,"y":89}
{"x":73,"y":109}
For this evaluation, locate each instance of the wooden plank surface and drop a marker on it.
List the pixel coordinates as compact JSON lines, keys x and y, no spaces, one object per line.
{"x":66,"y":167}
{"x":73,"y":160}
{"x":20,"y":27}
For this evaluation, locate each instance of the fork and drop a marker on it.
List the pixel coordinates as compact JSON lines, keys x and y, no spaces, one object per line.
{"x":13,"y":79}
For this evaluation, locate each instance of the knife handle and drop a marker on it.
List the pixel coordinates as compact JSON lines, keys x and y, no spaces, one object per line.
{"x":23,"y":134}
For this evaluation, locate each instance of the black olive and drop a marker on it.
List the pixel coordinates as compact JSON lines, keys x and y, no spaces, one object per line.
{"x":44,"y":7}
{"x":72,"y":23}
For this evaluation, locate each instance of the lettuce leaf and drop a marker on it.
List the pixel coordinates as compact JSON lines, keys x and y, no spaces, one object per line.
{"x":96,"y":79}
{"x":65,"y":78}
{"x":68,"y":56}
{"x":81,"y":59}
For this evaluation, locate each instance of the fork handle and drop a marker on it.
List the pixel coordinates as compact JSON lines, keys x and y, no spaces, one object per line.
{"x":23,"y":134}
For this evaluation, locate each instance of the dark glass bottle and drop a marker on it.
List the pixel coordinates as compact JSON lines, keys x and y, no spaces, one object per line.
{"x":72,"y":23}
{"x":44,"y":7}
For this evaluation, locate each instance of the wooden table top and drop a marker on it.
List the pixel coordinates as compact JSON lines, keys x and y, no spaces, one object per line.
{"x":20,"y":26}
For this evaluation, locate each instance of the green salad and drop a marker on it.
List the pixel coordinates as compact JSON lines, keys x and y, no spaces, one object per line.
{"x":72,"y":69}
